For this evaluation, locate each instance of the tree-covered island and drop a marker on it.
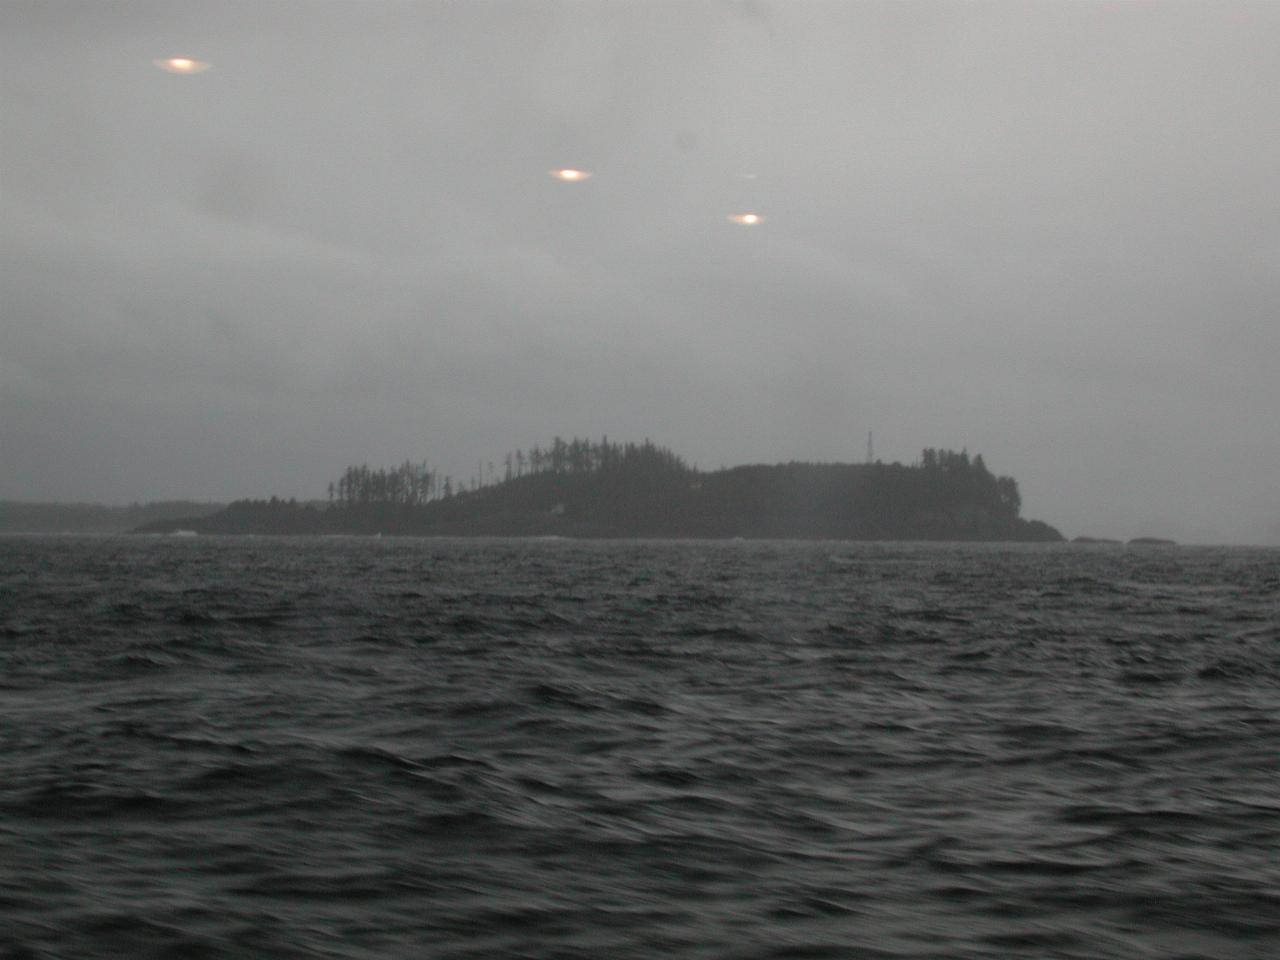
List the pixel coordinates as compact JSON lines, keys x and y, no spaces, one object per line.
{"x":581,"y":488}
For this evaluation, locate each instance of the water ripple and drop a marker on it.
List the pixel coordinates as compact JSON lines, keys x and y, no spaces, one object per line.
{"x":347,"y":748}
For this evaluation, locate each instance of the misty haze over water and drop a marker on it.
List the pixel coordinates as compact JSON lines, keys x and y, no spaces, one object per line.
{"x":1046,"y":232}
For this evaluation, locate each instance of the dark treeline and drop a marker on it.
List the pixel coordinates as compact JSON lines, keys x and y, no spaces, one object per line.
{"x":944,"y":496}
{"x":954,"y":478}
{"x":415,"y":484}
{"x":602,"y":489}
{"x":410,"y":484}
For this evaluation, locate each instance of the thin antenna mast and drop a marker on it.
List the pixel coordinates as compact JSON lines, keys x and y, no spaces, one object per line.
{"x":870,"y":452}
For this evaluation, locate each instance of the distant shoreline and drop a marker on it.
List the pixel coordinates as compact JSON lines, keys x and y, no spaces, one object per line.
{"x":584,"y":490}
{"x":18,"y":517}
{"x":180,"y":534}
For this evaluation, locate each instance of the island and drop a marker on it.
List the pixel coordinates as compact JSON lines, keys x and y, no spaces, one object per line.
{"x":582,"y":488}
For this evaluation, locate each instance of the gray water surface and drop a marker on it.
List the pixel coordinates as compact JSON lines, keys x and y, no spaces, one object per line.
{"x":426,"y":748}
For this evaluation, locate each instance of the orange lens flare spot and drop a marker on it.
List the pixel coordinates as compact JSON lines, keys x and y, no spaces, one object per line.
{"x":570,"y":174}
{"x":746,"y":219}
{"x":181,"y":65}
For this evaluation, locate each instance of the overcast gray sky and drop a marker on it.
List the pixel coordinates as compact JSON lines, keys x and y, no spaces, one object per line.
{"x":1047,"y":232}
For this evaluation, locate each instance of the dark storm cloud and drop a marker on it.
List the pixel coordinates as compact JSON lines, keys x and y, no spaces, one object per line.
{"x":1043,"y":231}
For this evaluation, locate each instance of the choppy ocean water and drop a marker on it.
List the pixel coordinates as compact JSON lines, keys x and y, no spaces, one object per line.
{"x":456,"y":749}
